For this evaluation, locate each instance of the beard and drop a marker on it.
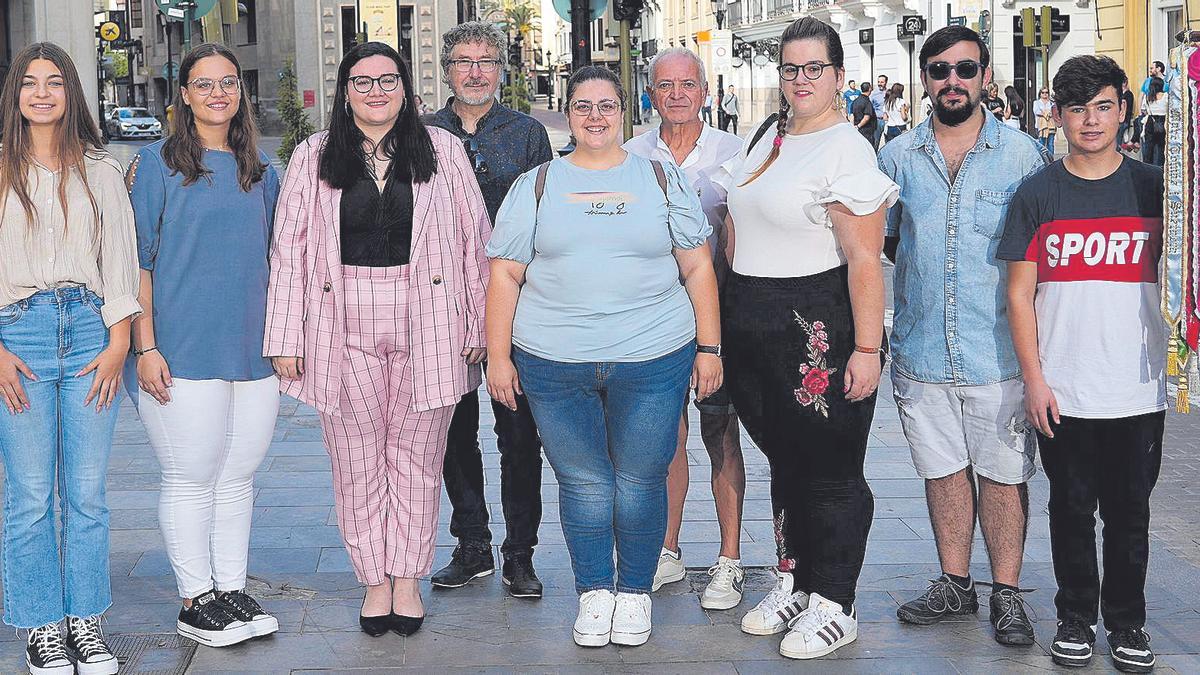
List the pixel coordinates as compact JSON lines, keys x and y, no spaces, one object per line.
{"x":953,"y":116}
{"x":478,"y":99}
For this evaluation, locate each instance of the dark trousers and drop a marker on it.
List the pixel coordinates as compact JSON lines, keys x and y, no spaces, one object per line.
{"x":1113,"y":464}
{"x":520,"y":475}
{"x":787,"y":342}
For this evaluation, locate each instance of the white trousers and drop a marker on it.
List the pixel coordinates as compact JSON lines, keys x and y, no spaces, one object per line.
{"x":210,"y":439}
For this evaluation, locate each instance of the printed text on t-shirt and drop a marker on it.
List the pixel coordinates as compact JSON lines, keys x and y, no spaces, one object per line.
{"x":1120,"y":249}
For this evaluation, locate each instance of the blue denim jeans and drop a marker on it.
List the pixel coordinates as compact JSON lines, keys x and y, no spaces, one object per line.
{"x":56,"y":333}
{"x":609,"y":430}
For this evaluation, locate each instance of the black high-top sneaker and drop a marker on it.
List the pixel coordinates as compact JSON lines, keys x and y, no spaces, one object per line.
{"x":211,"y":622}
{"x":85,"y":644}
{"x":44,"y":652}
{"x":470,"y":560}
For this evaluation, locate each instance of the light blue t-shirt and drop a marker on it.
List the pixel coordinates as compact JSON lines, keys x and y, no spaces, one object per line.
{"x":602,"y":283}
{"x":206,"y":246}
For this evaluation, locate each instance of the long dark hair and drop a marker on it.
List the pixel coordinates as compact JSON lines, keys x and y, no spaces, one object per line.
{"x":78,"y":136}
{"x":342,"y":158}
{"x":1016,"y":104}
{"x":808,"y":28}
{"x":896,"y":93}
{"x":183,"y":151}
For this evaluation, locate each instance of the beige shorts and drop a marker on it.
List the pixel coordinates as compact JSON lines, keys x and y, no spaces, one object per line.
{"x":951,"y":427}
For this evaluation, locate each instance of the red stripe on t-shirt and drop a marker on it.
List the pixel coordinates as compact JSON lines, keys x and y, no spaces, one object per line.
{"x":1120,"y":248}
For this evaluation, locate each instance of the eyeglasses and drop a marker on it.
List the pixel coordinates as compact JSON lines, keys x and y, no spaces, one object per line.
{"x":465,"y":65}
{"x":607,"y":108}
{"x":477,"y":161}
{"x":204,"y":86}
{"x":812,"y":70}
{"x":940,"y":70}
{"x":364,"y":83}
{"x":687,"y":86}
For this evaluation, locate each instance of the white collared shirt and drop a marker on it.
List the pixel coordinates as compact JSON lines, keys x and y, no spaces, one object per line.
{"x":703,"y":168}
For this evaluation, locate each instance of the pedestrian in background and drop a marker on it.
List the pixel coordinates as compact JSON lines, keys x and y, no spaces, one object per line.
{"x":957,"y":387}
{"x":1014,"y":108}
{"x":1043,"y":115}
{"x":204,"y":201}
{"x":993,"y":102}
{"x":706,"y":109}
{"x":502,"y":144}
{"x":602,"y":293}
{"x":850,"y":96}
{"x":895,"y":112}
{"x":647,"y":104}
{"x":682,"y":139}
{"x":803,"y":318}
{"x":1126,"y":118}
{"x":730,"y":106}
{"x":375,"y":317}
{"x":68,"y":289}
{"x":1089,"y":334}
{"x":862,"y":115}
{"x":1154,"y":130}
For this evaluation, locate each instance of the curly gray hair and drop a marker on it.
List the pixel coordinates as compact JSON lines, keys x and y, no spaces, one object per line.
{"x":469,"y":33}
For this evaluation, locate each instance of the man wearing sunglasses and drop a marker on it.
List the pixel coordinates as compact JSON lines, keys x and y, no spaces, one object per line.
{"x":501,"y":144}
{"x":955,"y":376}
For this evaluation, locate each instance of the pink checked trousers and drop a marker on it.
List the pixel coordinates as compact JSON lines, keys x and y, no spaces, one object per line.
{"x":387,"y":458}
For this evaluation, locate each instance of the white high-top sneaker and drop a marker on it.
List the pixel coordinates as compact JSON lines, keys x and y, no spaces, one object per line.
{"x":724,"y":591}
{"x":670,"y":568}
{"x":594,"y":623}
{"x":773,"y":613}
{"x":819,"y":630}
{"x":631,"y":619}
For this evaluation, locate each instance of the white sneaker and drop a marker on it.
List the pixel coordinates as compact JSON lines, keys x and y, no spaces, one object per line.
{"x":773,"y":613}
{"x":594,"y":623}
{"x":819,"y":630}
{"x":725,"y":589}
{"x":631,"y":619}
{"x":670,"y":569}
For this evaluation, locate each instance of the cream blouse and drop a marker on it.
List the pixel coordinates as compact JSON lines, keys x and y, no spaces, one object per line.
{"x":51,"y":253}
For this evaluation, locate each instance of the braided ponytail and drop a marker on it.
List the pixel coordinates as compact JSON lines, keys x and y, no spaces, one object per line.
{"x":780,"y":131}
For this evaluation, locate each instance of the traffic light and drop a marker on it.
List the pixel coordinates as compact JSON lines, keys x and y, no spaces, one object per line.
{"x":1046,"y":32}
{"x":628,"y":10}
{"x":1028,"y":28}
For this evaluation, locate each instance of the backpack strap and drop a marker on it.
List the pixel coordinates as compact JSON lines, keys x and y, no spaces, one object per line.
{"x":660,"y":174}
{"x":762,"y":130}
{"x":539,"y":185}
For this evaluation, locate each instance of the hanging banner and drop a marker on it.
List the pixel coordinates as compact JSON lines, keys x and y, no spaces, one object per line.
{"x":382,"y":18}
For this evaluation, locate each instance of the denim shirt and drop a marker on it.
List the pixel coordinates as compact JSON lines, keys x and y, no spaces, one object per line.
{"x":951,"y":315}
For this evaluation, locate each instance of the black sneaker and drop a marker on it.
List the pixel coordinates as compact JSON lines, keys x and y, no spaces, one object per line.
{"x":942,"y":599}
{"x":470,"y":560}
{"x":1073,"y":642}
{"x":211,"y":622}
{"x":85,"y":644}
{"x":246,"y":609}
{"x":1009,"y":619}
{"x":44,"y":652}
{"x":520,"y":578}
{"x":1130,"y":649}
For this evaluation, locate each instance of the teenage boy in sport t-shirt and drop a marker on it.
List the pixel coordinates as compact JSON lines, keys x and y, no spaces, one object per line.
{"x":1083,"y":239}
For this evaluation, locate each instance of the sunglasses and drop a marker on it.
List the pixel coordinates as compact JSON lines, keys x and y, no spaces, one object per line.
{"x":940,"y":70}
{"x":477,"y":161}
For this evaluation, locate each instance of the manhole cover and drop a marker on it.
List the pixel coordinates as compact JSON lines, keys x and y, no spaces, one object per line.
{"x":166,"y":654}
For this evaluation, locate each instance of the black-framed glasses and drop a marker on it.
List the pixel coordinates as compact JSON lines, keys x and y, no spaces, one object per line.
{"x":485,"y":65}
{"x":364,"y":83}
{"x":471,"y":144}
{"x":205,"y":86}
{"x":607,"y":107}
{"x":940,"y":70}
{"x":813,"y":70}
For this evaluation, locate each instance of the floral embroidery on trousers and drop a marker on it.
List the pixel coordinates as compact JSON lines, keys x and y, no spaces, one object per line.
{"x":816,"y":373}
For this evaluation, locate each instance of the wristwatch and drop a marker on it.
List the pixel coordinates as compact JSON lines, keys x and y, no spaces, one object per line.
{"x":709,"y":349}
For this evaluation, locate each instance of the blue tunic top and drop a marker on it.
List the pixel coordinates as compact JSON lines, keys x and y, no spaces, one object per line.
{"x":602,"y":282}
{"x":206,"y":246}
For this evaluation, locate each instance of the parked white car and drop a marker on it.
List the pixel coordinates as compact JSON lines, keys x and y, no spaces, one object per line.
{"x":132,"y":123}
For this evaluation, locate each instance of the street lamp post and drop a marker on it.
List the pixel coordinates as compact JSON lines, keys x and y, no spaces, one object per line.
{"x":551,"y":73}
{"x":718,"y":8}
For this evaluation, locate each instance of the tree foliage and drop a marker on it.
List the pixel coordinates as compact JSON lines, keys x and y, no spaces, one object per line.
{"x":296,"y":125}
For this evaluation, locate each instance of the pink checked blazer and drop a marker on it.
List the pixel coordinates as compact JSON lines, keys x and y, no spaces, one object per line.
{"x":448,"y":274}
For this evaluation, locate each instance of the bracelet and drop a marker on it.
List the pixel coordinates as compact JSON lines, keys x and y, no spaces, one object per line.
{"x":866,"y":350}
{"x":147,"y":350}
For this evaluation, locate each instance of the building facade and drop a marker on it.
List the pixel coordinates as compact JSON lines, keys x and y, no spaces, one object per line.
{"x":68,"y":23}
{"x":1135,"y":33}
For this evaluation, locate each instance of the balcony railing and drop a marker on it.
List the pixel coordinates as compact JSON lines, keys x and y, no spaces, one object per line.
{"x":736,"y":13}
{"x":780,"y":8}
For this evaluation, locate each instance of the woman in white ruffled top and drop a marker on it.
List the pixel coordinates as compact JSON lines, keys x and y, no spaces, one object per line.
{"x":802,"y":319}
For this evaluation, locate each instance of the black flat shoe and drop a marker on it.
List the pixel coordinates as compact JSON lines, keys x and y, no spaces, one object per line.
{"x":405,"y":625}
{"x":375,"y":625}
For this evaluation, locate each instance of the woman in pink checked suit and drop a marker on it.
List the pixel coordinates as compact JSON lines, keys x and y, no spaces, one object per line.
{"x":375,"y":316}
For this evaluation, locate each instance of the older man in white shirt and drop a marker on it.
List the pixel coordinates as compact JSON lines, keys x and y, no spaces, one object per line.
{"x":679,"y":89}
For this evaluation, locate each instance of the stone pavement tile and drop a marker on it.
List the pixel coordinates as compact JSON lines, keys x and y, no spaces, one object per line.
{"x":334,"y":559}
{"x":293,"y":516}
{"x":295,"y":537}
{"x":882,"y":470}
{"x":134,"y":540}
{"x":312,"y":480}
{"x":296,"y":651}
{"x":122,"y":564}
{"x":152,"y":563}
{"x":272,"y":562}
{"x":133,"y":499}
{"x":901,"y":507}
{"x":281,"y":496}
{"x":141,"y":617}
{"x":895,"y":639}
{"x":297,"y":449}
{"x":132,"y":481}
{"x":882,"y":665}
{"x":722,"y":642}
{"x":898,"y":487}
{"x":331,"y":615}
{"x":892,"y":529}
{"x":133,"y":519}
{"x":1177,"y":663}
{"x":432,"y":649}
{"x":298,"y":463}
{"x":1015,"y":660}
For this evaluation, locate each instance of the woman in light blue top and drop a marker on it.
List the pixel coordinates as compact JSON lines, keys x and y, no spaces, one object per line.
{"x":586,"y":315}
{"x":204,"y":200}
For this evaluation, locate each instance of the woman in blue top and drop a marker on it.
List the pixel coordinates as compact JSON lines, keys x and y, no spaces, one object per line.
{"x":587,"y":316}
{"x":204,"y":200}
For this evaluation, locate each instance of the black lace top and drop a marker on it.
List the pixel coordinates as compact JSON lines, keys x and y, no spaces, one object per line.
{"x":376,"y":228}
